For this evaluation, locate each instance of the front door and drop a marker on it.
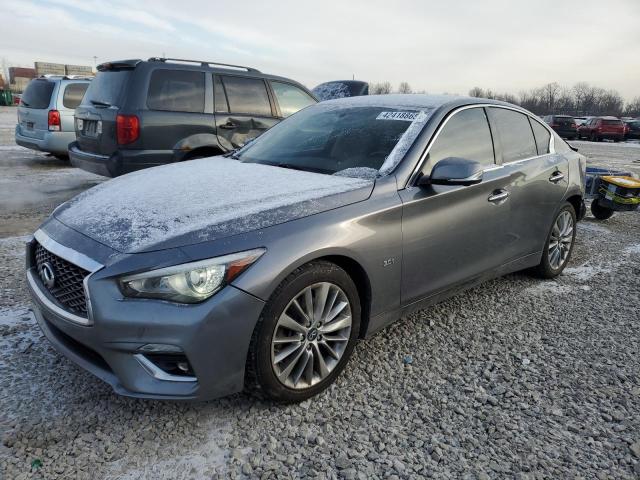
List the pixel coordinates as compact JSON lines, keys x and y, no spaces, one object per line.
{"x":452,"y":234}
{"x":243,"y":109}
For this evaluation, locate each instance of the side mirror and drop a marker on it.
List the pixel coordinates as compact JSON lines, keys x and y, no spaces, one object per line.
{"x":454,"y":171}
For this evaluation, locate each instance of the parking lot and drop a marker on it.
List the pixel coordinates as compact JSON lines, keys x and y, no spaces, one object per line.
{"x":519,"y":378}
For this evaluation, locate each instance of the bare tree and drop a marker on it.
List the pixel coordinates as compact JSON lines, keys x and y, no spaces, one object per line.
{"x":633,"y":108}
{"x":477,"y":92}
{"x":404,"y":87}
{"x":381,"y":88}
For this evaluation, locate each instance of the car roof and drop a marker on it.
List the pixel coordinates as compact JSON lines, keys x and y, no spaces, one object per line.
{"x":416,"y":100}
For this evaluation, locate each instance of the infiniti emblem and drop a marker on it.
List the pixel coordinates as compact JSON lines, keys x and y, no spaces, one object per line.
{"x":47,"y":275}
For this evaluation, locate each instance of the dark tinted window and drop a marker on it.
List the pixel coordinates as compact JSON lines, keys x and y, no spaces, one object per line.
{"x":37,"y":94}
{"x":328,"y":140}
{"x":176,"y":91}
{"x":465,"y":135}
{"x":219,"y":97}
{"x":542,"y":137}
{"x":73,"y":94}
{"x":515,"y":134}
{"x":107,"y":88}
{"x":247,"y":95}
{"x":290,"y":98}
{"x":612,"y":122}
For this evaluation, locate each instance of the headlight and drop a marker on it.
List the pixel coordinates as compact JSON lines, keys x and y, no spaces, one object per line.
{"x":189,"y":282}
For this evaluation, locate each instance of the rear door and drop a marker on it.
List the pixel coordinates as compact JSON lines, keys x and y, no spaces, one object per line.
{"x":243,"y":109}
{"x":33,"y":111}
{"x":452,"y":234}
{"x":538,"y":178}
{"x":96,"y":115}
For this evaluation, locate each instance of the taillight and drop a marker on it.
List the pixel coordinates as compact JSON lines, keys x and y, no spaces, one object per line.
{"x":127,"y":129}
{"x":54,"y":120}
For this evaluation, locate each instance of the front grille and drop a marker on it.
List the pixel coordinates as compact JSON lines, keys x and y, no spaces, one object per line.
{"x":68,"y":287}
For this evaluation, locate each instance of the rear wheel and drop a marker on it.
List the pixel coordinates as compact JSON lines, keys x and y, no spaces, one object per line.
{"x":559,"y":244}
{"x":306,"y":333}
{"x":599,"y":211}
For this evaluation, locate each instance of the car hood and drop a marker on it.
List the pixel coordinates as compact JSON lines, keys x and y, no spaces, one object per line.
{"x":202,"y":200}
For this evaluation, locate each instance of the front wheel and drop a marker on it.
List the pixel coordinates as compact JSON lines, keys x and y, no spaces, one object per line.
{"x":559,"y":244}
{"x":306,"y":333}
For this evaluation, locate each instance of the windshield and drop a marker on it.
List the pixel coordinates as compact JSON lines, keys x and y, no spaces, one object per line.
{"x":329,"y":140}
{"x":106,"y":89}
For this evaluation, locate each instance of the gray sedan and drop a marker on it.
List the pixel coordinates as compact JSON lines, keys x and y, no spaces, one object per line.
{"x":262,"y":269}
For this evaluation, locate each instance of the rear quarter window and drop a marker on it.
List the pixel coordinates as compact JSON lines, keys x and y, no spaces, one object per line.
{"x":37,"y":94}
{"x":542,"y":136}
{"x":514,"y":131}
{"x":73,"y":94}
{"x":176,"y":91}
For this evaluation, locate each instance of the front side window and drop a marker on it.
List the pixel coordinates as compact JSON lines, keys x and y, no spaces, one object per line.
{"x":514,"y":131}
{"x":290,"y":98}
{"x":176,"y":91}
{"x":465,"y":135}
{"x":542,"y":136}
{"x":247,"y":95}
{"x":73,"y":94}
{"x":328,"y":139}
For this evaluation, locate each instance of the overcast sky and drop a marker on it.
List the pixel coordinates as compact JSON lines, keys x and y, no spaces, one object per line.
{"x":437,"y":46}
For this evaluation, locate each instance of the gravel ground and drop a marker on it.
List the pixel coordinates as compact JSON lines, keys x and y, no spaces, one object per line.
{"x":518,"y":378}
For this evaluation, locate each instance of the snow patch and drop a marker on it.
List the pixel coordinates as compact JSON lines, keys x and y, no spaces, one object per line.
{"x":586,"y":272}
{"x":405,"y":142}
{"x":593,"y":227}
{"x":633,"y":249}
{"x":14,"y":316}
{"x":144,"y":208}
{"x":358,"y":172}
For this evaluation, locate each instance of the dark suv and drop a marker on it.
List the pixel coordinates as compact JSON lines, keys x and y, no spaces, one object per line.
{"x":138,"y":114}
{"x":564,"y":125}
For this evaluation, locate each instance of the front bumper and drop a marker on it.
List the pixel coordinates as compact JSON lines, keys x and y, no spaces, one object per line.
{"x":120,"y":162}
{"x":51,"y":142}
{"x":213,"y":335}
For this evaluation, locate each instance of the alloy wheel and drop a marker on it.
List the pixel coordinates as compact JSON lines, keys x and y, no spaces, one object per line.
{"x":560,"y":240}
{"x":311,"y":335}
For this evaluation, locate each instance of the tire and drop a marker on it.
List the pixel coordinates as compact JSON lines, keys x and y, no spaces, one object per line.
{"x":305,"y":344}
{"x":61,"y":156}
{"x":550,"y":265}
{"x":600,"y":212}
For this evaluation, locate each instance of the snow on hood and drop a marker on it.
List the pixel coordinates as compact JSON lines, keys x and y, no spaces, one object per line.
{"x":202,"y":200}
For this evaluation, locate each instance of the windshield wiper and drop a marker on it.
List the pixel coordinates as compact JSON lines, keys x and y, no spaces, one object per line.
{"x":298,"y":167}
{"x":99,"y":103}
{"x":26,"y":104}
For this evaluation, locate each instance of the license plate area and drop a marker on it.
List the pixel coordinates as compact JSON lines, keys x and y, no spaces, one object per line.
{"x":28,"y":125}
{"x":90,"y":128}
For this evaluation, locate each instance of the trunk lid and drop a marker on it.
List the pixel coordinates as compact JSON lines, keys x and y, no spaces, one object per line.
{"x":612,"y":126}
{"x":95,"y":117}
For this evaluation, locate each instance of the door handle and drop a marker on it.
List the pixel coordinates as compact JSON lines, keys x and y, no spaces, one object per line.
{"x":498,"y":195}
{"x":228,"y":126}
{"x":556,"y":177}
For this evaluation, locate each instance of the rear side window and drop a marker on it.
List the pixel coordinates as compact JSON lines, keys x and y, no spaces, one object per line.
{"x":73,"y":94}
{"x":465,"y":135}
{"x":107,"y":88}
{"x":37,"y":94}
{"x":176,"y":91}
{"x":247,"y":95}
{"x":542,"y":136}
{"x":290,"y":98}
{"x":515,"y":134}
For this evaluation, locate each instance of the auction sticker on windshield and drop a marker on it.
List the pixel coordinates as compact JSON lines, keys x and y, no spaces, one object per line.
{"x":405,"y":116}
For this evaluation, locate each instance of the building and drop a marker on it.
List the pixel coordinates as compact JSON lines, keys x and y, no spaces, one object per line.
{"x":21,"y":72}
